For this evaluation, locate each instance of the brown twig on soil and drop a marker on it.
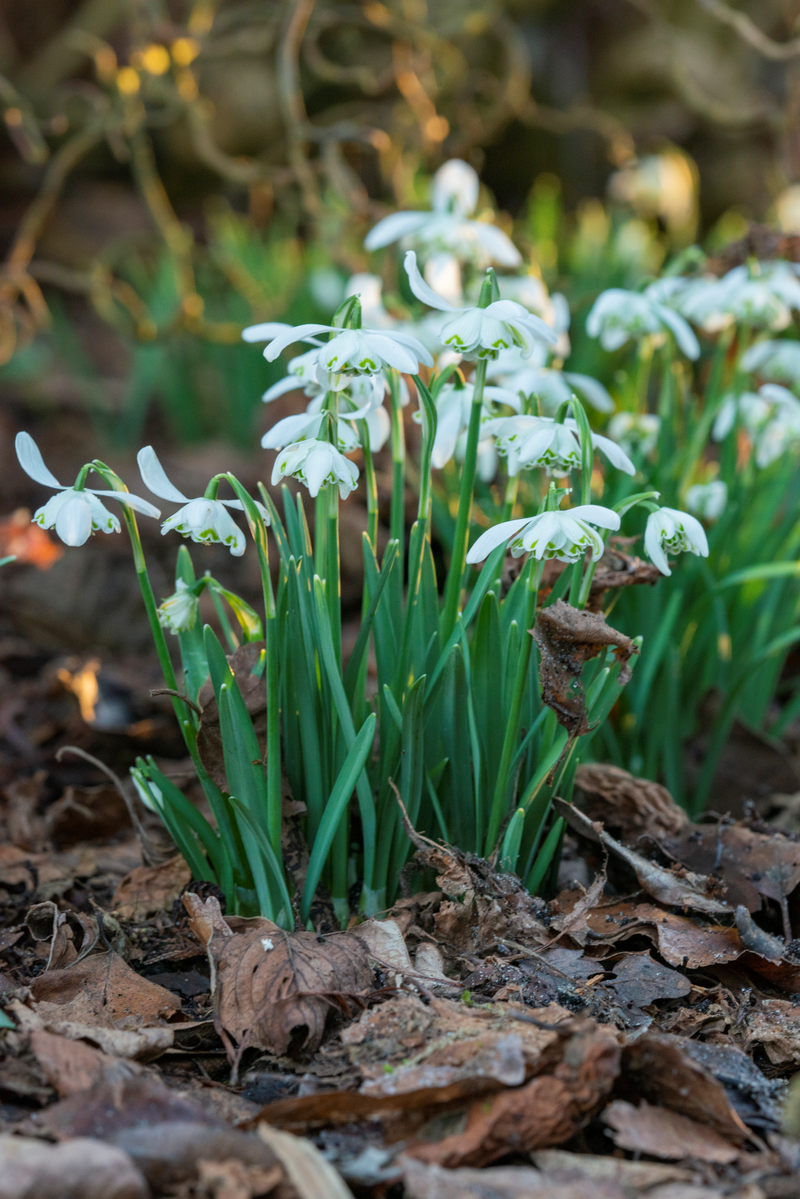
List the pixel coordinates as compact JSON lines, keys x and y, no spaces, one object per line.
{"x":149,"y":854}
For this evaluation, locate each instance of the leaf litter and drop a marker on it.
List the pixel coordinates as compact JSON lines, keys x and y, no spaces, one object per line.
{"x":632,"y":1036}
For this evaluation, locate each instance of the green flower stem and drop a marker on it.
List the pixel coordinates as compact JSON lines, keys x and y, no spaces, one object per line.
{"x":333,"y":585}
{"x":320,"y":529}
{"x":500,"y":799}
{"x":371,"y":487}
{"x":512,"y":487}
{"x":398,"y":514}
{"x":458,"y":557}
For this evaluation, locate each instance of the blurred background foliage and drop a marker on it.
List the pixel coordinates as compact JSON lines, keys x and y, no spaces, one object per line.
{"x":173,"y":171}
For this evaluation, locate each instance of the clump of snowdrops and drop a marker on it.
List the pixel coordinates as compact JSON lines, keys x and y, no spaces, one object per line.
{"x":455,"y":726}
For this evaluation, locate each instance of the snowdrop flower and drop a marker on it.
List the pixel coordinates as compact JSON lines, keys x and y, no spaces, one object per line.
{"x":618,"y":316}
{"x":552,"y":387}
{"x":206,"y":521}
{"x":771,"y":416}
{"x":75,"y":512}
{"x":302,"y":375}
{"x":776,"y":361}
{"x":635,"y":432}
{"x":448,"y":227}
{"x":530,"y":291}
{"x":565,"y":535}
{"x":178,"y":612}
{"x":349,"y":352}
{"x":669,"y":531}
{"x":482,"y":332}
{"x":306,"y":426}
{"x":763,"y":300}
{"x":454,"y":407}
{"x":316,"y":464}
{"x":707,"y":500}
{"x":531,"y":441}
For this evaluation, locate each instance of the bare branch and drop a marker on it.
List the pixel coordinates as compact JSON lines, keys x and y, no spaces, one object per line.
{"x":749,"y":32}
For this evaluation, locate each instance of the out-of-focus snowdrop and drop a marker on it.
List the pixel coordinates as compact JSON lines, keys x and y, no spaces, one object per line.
{"x":661,"y":185}
{"x":369,"y":289}
{"x":316,"y":464}
{"x":774,"y":361}
{"x":618,"y":316}
{"x":550,"y":386}
{"x":530,"y":291}
{"x":707,"y":500}
{"x":762,"y":298}
{"x":635,"y":432}
{"x":534,"y":441}
{"x":453,"y":407}
{"x":771,"y":416}
{"x":669,"y":531}
{"x":448,"y":227}
{"x":481,"y":333}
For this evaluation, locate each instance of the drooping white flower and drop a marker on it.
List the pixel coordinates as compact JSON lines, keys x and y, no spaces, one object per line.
{"x":306,"y":426}
{"x":550,"y":386}
{"x":302,"y":375}
{"x":316,"y":464}
{"x":775,"y":361}
{"x":448,"y":227}
{"x":348,"y":352}
{"x":635,"y":431}
{"x":531,"y":292}
{"x":534,"y":441}
{"x":669,"y":531}
{"x":178,"y":612}
{"x":707,"y":500}
{"x":563,"y":534}
{"x":206,"y":521}
{"x":762,"y":299}
{"x":771,"y":416}
{"x":482,"y":332}
{"x":74,"y":513}
{"x":454,"y":408}
{"x":618,"y":316}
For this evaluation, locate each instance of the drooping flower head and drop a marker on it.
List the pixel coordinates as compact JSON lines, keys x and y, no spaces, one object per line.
{"x":774,"y":361}
{"x":707,"y":500}
{"x":550,"y":386}
{"x":540,"y":441}
{"x":316,"y":464}
{"x":205,"y":519}
{"x":762,"y":297}
{"x":448,"y":227}
{"x":453,"y":409}
{"x":178,"y":612}
{"x":75,"y":512}
{"x":619,"y":316}
{"x":635,"y":432}
{"x":477,"y":332}
{"x":564,"y":534}
{"x":669,"y":531}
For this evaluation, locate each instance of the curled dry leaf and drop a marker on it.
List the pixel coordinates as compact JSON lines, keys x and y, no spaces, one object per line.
{"x":141,"y":1044}
{"x":774,"y":1024}
{"x":307,"y":1170}
{"x":79,"y":1169}
{"x":615,"y":568}
{"x":753,"y":866}
{"x":149,"y":889}
{"x":676,"y":890}
{"x":73,"y":1066}
{"x":71,"y":935}
{"x":628,"y":805}
{"x":102,"y":990}
{"x":274,"y":990}
{"x":547,"y":1111}
{"x":233,"y":1180}
{"x":567,"y":639}
{"x":682,"y":941}
{"x":663,"y":1133}
{"x":209,"y":736}
{"x":497,"y":1182}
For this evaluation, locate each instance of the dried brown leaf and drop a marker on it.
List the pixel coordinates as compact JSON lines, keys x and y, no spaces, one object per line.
{"x":664,"y":1133}
{"x":567,"y":639}
{"x":149,"y":889}
{"x":627,"y":805}
{"x":547,"y":1111}
{"x":102,"y":989}
{"x":307,"y":1170}
{"x":496,"y":1182}
{"x":631,"y":1176}
{"x":72,"y":1066}
{"x":753,"y":866}
{"x":78,"y":1169}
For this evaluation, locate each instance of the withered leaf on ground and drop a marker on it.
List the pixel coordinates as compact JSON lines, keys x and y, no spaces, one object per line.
{"x":274,"y":990}
{"x":752,"y":865}
{"x":682,"y":940}
{"x":547,"y":1111}
{"x":627,"y":805}
{"x":134,"y":1044}
{"x":687,"y":890}
{"x":72,"y":1066}
{"x":149,"y":889}
{"x":634,"y":1176}
{"x":639,"y":980}
{"x":497,"y":1182}
{"x":567,"y":639}
{"x":774,"y":1024}
{"x":307,"y":1170}
{"x":79,"y":1169}
{"x":664,"y":1133}
{"x":72,"y":935}
{"x":102,"y":989}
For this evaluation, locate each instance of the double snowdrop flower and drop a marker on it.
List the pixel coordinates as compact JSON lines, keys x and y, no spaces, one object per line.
{"x":316,"y":464}
{"x":179,"y":611}
{"x":552,"y":387}
{"x":564,"y":534}
{"x":531,"y":292}
{"x":534,"y":441}
{"x":771,"y":416}
{"x":348,"y":352}
{"x":635,"y":432}
{"x":205,"y":520}
{"x":762,"y":300}
{"x":75,"y":512}
{"x":619,"y":316}
{"x":775,"y":361}
{"x":477,"y":332}
{"x":669,"y":531}
{"x":707,"y":500}
{"x":454,"y":407}
{"x":448,"y":228}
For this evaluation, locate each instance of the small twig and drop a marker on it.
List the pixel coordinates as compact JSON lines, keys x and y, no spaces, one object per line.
{"x":146,"y":842}
{"x":749,"y":32}
{"x":178,"y":695}
{"x":414,"y":837}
